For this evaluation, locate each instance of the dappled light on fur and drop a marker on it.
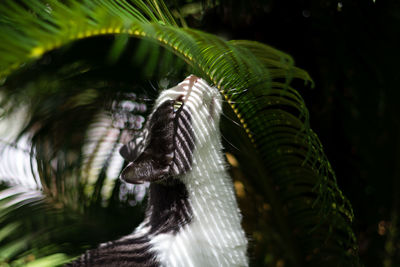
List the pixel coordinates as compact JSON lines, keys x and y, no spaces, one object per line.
{"x":216,"y":221}
{"x":197,"y":222}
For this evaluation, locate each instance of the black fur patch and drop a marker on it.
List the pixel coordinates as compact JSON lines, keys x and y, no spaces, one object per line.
{"x":183,"y":143}
{"x":169,"y":146}
{"x":125,"y":252}
{"x":169,"y":206}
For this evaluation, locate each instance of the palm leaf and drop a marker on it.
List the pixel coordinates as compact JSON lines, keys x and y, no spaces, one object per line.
{"x":279,"y":153}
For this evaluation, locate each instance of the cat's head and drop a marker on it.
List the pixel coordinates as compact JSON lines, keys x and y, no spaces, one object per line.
{"x":184,"y":118}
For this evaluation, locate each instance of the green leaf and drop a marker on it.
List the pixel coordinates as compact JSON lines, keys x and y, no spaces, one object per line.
{"x":50,"y":261}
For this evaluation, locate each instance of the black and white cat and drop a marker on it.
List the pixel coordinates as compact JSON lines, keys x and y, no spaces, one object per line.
{"x":192,"y":217}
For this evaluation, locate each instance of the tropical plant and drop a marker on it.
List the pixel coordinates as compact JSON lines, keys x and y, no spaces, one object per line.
{"x":80,"y":74}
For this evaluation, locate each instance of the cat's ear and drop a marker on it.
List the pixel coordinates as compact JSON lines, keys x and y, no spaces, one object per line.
{"x":135,"y":147}
{"x":128,"y":152}
{"x":146,"y":168}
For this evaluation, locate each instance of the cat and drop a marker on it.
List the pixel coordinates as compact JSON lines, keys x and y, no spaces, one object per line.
{"x":192,"y":217}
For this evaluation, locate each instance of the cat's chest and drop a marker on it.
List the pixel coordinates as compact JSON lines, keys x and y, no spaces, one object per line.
{"x":210,"y":236}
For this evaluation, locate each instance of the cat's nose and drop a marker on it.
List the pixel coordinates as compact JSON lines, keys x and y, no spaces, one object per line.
{"x":186,"y":86}
{"x":191,"y":79}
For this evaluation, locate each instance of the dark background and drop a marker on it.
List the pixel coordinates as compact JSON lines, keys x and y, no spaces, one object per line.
{"x":350,"y":49}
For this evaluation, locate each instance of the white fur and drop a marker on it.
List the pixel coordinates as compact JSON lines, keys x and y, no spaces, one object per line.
{"x":215,"y":236}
